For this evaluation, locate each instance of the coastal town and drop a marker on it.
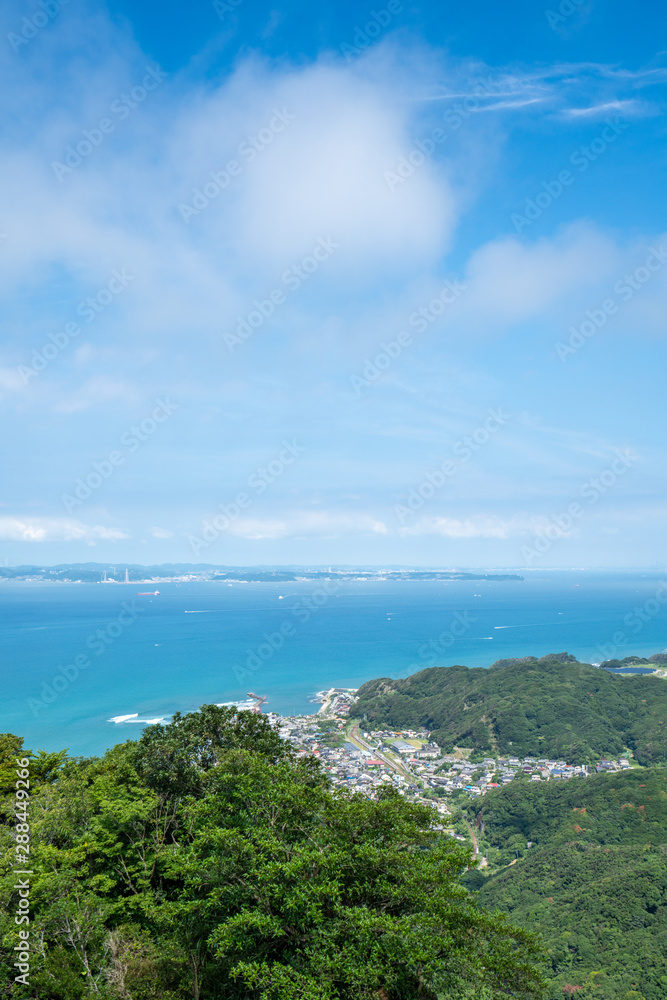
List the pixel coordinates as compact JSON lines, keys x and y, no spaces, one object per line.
{"x":367,"y":760}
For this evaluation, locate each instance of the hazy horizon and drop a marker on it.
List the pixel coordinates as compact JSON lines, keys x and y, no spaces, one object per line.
{"x":343,"y":567}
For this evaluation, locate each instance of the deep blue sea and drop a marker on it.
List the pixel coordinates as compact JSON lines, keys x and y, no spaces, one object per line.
{"x":75,"y":656}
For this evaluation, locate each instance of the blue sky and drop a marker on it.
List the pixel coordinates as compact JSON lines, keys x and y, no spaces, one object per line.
{"x":333,"y":284}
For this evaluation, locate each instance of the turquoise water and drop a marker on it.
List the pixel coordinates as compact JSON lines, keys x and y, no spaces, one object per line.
{"x":207,"y":642}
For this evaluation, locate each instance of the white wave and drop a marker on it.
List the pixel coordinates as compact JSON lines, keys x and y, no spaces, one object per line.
{"x":135,"y":718}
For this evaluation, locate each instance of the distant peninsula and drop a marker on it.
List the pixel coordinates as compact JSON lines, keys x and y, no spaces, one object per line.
{"x":201,"y":572}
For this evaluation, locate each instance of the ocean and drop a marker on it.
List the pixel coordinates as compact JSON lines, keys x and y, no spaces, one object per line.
{"x":75,"y":656}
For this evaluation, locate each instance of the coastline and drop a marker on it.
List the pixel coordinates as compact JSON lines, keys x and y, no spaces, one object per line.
{"x":165,"y":660}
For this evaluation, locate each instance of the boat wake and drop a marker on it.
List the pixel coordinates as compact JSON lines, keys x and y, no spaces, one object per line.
{"x":532,"y":625}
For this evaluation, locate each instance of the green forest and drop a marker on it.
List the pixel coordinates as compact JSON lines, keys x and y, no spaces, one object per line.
{"x":584,"y":864}
{"x":206,"y":860}
{"x":552,"y":707}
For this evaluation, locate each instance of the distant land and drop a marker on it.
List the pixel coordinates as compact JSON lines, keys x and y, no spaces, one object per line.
{"x":193,"y":572}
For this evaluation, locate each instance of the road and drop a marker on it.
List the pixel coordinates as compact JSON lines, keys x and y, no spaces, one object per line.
{"x":355,"y":737}
{"x":475,"y":848}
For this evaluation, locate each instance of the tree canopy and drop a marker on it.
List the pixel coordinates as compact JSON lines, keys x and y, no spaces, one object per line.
{"x":206,"y":860}
{"x":584,"y":863}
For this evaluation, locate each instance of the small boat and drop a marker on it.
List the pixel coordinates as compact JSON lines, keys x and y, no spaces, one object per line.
{"x":148,"y":593}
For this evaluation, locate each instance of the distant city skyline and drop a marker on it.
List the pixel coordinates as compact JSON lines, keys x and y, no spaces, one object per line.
{"x":336,"y":285}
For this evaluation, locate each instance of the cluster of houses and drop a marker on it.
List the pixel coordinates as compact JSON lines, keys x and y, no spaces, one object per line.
{"x":349,"y":765}
{"x":451,"y":772}
{"x":612,"y":765}
{"x":476,"y":778}
{"x":409,"y":762}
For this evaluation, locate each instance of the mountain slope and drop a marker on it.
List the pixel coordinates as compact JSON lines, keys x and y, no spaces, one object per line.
{"x":593,"y":883}
{"x":548,"y":707}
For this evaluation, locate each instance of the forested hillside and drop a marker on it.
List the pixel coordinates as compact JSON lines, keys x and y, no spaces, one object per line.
{"x":548,"y":707}
{"x":593,"y":881}
{"x":628,"y":807}
{"x":206,"y":861}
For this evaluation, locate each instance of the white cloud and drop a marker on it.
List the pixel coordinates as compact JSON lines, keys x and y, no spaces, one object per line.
{"x":449,"y":527}
{"x":513,"y":279}
{"x":161,"y":533}
{"x":96,"y":390}
{"x":325,"y":176}
{"x":479,"y":526}
{"x":45,"y":529}
{"x":323,"y":524}
{"x":321,"y":176}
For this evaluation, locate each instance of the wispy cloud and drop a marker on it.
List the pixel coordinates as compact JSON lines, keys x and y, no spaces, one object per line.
{"x":628,"y":108}
{"x":560,"y":87}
